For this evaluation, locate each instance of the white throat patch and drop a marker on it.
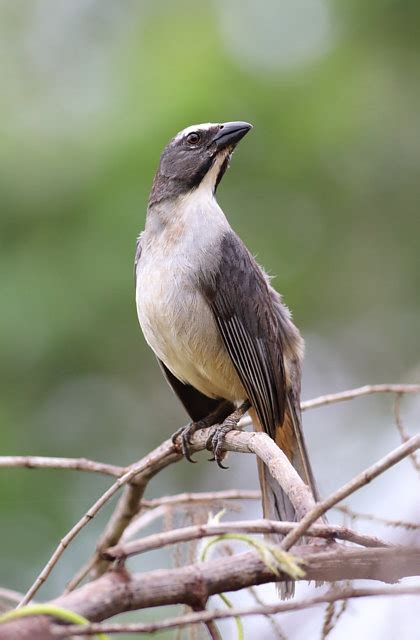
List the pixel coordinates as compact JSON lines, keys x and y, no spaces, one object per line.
{"x":209,"y":181}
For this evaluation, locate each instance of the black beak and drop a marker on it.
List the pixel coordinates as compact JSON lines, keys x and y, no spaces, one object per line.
{"x":230,"y":133}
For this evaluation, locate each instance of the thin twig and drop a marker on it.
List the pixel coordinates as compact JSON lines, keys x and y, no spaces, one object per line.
{"x":142,"y":521}
{"x":9,"y":599}
{"x":350,"y":394}
{"x":204,"y":496}
{"x":357,"y":515}
{"x":277,"y":630}
{"x":212,"y":629}
{"x":366,"y":390}
{"x":165,"y":450}
{"x":73,"y":464}
{"x":199,"y":617}
{"x":175,"y":536}
{"x":80,"y":575}
{"x":328,"y":622}
{"x":360,"y":480}
{"x":157,"y":508}
{"x":125,"y":511}
{"x":332,"y":616}
{"x":401,"y":430}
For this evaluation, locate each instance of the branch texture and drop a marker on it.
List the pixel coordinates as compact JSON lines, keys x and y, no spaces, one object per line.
{"x":268,"y":609}
{"x":119,"y":591}
{"x":194,"y":532}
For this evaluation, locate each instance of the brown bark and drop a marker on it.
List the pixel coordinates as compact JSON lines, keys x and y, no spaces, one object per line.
{"x":119,"y":591}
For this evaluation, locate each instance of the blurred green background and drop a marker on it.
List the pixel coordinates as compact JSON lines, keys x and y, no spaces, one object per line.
{"x":325,"y":191}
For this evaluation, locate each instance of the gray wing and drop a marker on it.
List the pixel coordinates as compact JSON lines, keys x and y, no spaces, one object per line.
{"x":243,"y":308}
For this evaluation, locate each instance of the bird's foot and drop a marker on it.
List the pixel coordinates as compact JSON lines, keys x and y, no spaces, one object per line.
{"x":186,"y":433}
{"x":215,"y":441}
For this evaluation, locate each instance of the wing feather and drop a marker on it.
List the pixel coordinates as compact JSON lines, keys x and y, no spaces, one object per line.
{"x":243,"y":308}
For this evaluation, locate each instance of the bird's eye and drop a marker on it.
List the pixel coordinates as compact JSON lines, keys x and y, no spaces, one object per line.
{"x":193,"y":138}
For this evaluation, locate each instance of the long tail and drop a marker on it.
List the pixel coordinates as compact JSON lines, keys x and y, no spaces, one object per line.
{"x":276,"y":504}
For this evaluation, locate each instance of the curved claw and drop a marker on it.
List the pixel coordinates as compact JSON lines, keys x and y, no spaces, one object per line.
{"x":215,"y":443}
{"x":209,"y":441}
{"x":185,"y":445}
{"x":177,"y":433}
{"x":185,"y":434}
{"x":215,"y":440}
{"x":218,"y":440}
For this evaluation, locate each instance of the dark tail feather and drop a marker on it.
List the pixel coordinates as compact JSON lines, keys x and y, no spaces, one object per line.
{"x":291,"y":440}
{"x":276,"y":504}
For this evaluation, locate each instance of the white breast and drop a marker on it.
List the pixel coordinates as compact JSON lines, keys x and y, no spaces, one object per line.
{"x":176,"y":320}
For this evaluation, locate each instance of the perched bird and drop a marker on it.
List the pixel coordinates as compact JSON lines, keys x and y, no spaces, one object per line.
{"x":221,"y":333}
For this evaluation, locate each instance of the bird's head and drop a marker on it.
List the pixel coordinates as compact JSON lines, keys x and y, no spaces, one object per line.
{"x":197,"y":155}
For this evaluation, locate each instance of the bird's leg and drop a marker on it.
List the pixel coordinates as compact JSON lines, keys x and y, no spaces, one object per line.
{"x":185,"y":433}
{"x":216,"y":439}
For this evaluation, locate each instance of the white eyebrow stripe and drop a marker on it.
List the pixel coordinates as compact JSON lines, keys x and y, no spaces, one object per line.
{"x":196,"y":127}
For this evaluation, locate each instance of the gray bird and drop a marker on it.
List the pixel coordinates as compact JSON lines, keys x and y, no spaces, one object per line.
{"x":221,"y":333}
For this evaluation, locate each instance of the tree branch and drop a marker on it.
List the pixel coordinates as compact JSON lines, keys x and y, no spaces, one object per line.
{"x":194,"y":532}
{"x":143,"y":468}
{"x":73,"y":464}
{"x":119,"y":591}
{"x":151,"y":510}
{"x":260,"y":444}
{"x":360,"y":480}
{"x":357,"y":515}
{"x":270,"y":609}
{"x":202,"y":496}
{"x":140,"y":474}
{"x":128,"y":506}
{"x":351,"y":394}
{"x":401,"y":430}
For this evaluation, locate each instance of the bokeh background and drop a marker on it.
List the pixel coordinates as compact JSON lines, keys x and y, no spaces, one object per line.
{"x":325,"y":191}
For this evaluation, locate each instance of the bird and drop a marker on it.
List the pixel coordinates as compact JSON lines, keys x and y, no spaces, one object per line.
{"x":221,"y":333}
